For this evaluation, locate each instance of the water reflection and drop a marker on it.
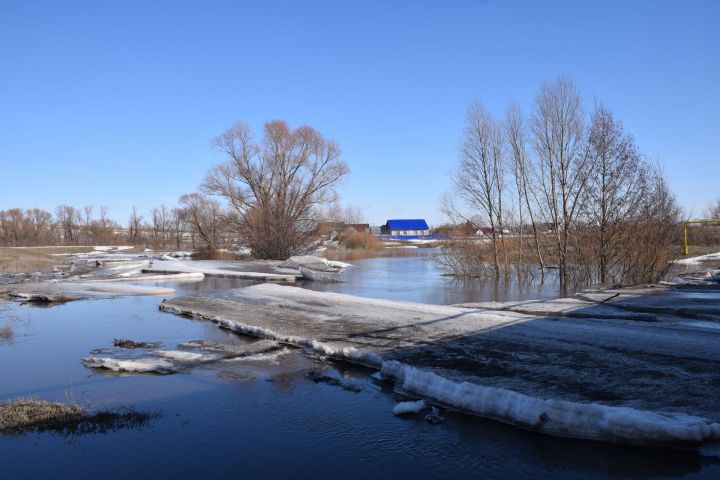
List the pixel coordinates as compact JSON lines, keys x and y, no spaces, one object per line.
{"x":416,"y":278}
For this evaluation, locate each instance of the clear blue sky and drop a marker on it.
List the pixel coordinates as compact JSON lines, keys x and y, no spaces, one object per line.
{"x":115,"y":102}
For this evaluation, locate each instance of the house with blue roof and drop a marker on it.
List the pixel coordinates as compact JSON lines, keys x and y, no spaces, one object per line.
{"x":416,"y":227}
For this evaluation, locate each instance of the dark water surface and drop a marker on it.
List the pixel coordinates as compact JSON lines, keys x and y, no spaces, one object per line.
{"x":270,"y":420}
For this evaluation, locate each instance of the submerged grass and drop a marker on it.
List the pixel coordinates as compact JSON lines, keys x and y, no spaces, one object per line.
{"x":6,"y":333}
{"x":23,"y":415}
{"x":126,"y":343}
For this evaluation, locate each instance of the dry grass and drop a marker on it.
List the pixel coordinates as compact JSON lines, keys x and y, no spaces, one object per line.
{"x":28,"y":414}
{"x":23,"y":415}
{"x":206,"y":254}
{"x":21,"y":260}
{"x":125,"y":343}
{"x":364,"y":241}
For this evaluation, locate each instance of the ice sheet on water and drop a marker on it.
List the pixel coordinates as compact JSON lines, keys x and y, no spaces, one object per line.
{"x":184,"y":357}
{"x":558,"y":417}
{"x":404,"y":408}
{"x":139,"y":365}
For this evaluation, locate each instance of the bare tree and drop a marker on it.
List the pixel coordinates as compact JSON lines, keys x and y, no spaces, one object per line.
{"x":276,"y":186}
{"x":651,"y":242}
{"x":615,"y":187}
{"x":562,"y":167}
{"x":161,"y":224}
{"x":68,"y":220}
{"x":713,"y":211}
{"x":178,"y":226}
{"x":203,"y":216}
{"x":521,"y":168}
{"x":134,"y":226}
{"x":478,"y":179}
{"x":335,"y":212}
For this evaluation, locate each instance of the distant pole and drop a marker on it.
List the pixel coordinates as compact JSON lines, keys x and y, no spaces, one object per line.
{"x":699,"y":222}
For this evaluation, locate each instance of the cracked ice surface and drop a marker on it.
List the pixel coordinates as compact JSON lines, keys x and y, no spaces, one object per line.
{"x":63,"y":291}
{"x":609,"y":379}
{"x":230,"y":269}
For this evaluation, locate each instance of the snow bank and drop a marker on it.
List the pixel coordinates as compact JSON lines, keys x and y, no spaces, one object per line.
{"x":404,"y":408}
{"x":556,"y":417}
{"x":140,"y":365}
{"x":699,"y":259}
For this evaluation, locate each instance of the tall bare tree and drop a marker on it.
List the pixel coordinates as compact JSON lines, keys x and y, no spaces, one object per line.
{"x":134,"y":226}
{"x":68,"y":219}
{"x":562,"y":165}
{"x":478,"y":179}
{"x":521,"y":168}
{"x":204,"y":217}
{"x":276,"y":186}
{"x":615,"y":186}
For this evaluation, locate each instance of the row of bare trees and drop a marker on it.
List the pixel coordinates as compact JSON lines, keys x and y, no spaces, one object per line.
{"x":269,"y":195}
{"x":195,"y":223}
{"x":560,"y":188}
{"x":68,"y":225}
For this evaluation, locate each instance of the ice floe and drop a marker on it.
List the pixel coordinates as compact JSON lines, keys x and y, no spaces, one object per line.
{"x":62,"y":291}
{"x":139,"y":365}
{"x":318,"y":264}
{"x":404,"y":408}
{"x":214,"y":268}
{"x":536,"y":372}
{"x":184,"y":357}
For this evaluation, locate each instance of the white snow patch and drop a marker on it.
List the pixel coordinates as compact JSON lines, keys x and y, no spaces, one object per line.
{"x":140,"y":365}
{"x":404,"y":408}
{"x":314,"y":263}
{"x":699,"y":259}
{"x":107,"y":248}
{"x":558,"y":417}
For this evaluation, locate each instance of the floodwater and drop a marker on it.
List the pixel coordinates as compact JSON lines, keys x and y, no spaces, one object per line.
{"x":414,"y":277}
{"x":271,"y":420}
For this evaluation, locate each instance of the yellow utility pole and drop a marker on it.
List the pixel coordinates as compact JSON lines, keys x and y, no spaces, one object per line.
{"x":685,"y":225}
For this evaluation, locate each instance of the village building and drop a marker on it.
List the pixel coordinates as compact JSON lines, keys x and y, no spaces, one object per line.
{"x":406,"y":227}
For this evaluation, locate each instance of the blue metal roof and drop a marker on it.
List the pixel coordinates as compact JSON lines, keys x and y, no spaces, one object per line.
{"x":408,"y":224}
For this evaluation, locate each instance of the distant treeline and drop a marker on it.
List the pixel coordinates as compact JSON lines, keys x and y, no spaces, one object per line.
{"x":194,"y":224}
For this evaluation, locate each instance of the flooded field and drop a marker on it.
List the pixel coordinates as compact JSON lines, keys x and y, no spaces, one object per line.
{"x":291,"y":415}
{"x":414,"y":277}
